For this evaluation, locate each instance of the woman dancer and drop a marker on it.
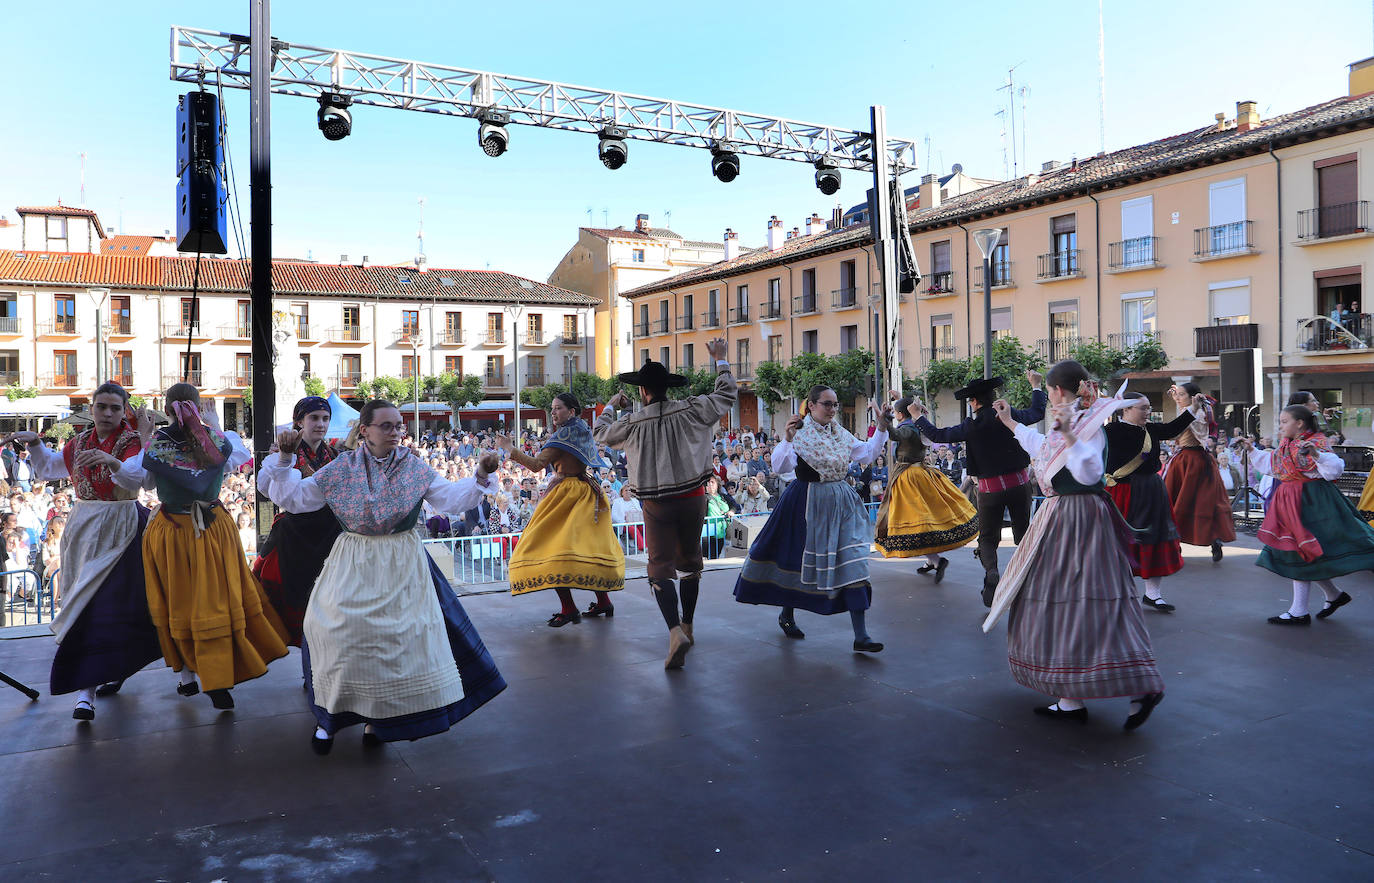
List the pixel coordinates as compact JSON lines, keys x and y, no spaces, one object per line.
{"x":1200,"y":506}
{"x":1367,"y":498}
{"x":569,"y":543}
{"x":813,"y":551}
{"x":290,"y":559}
{"x":211,"y":614}
{"x":1134,"y":484}
{"x":1311,"y":532}
{"x":385,"y":641}
{"x":104,"y":633}
{"x":1074,"y":628}
{"x":922,"y":513}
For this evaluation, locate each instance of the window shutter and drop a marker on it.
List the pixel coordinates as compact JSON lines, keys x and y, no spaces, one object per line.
{"x":1064,"y":224}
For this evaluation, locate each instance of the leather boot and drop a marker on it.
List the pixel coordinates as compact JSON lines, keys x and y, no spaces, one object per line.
{"x":678,"y":645}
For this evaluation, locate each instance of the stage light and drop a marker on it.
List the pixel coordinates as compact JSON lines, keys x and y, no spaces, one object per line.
{"x":613,"y":151}
{"x":724,"y":162}
{"x":334,"y":119}
{"x":827,"y":177}
{"x":492,"y":136}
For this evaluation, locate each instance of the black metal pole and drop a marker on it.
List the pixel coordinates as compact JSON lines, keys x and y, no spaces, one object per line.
{"x":260,"y":187}
{"x":987,"y":316}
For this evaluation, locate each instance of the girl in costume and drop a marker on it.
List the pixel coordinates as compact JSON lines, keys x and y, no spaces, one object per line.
{"x":1074,"y":627}
{"x":922,"y":513}
{"x":1311,"y":532}
{"x":385,"y":641}
{"x":290,"y":559}
{"x":1367,"y":498}
{"x":813,"y":551}
{"x":1133,"y":483}
{"x":211,"y":614}
{"x":569,"y":542}
{"x":104,"y":633}
{"x":1200,"y":506}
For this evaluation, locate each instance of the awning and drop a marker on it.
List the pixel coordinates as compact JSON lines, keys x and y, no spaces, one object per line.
{"x":40,"y":406}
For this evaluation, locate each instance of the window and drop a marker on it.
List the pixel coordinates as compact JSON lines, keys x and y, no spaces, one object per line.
{"x":637,"y":255}
{"x":534,"y":366}
{"x":570,"y":328}
{"x":56,"y":229}
{"x":808,"y":292}
{"x":9,"y":366}
{"x":688,"y":304}
{"x":410,"y":323}
{"x":453,"y":365}
{"x":848,"y":294}
{"x":1001,"y":323}
{"x":849,"y":338}
{"x":121,"y":321}
{"x":122,"y":368}
{"x":64,"y":367}
{"x":941,"y":275}
{"x":1064,"y":245}
{"x":643,"y":356}
{"x":353,"y":322}
{"x":190,"y":368}
{"x":689,"y":357}
{"x":775,"y":348}
{"x":1137,"y":232}
{"x":496,"y":331}
{"x":811,"y":341}
{"x":408,"y":367}
{"x":496,"y":370}
{"x":535,"y":326}
{"x":665,"y":355}
{"x":1063,"y":329}
{"x":713,"y":306}
{"x":742,"y":355}
{"x":774,"y":307}
{"x":243,"y":369}
{"x":190,"y":315}
{"x":662,"y":317}
{"x":1137,"y":316}
{"x":1337,"y":195}
{"x":1001,"y":260}
{"x":302,"y":312}
{"x":643,"y":329}
{"x":1226,"y":216}
{"x":243,"y":315}
{"x":571,"y":365}
{"x":1230,"y":302}
{"x":742,"y":298}
{"x":350,"y":370}
{"x":64,"y":313}
{"x":305,"y":365}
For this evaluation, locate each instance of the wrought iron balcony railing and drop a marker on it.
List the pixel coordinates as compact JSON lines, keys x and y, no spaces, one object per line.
{"x":1222,"y":240}
{"x":1139,"y":253}
{"x":1060,"y":264}
{"x":1326,"y":221}
{"x":1209,"y":340}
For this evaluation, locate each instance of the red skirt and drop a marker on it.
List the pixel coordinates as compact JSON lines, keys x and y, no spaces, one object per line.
{"x":1159,"y":553}
{"x":1201,"y":508}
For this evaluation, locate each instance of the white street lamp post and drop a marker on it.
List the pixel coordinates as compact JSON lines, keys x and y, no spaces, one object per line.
{"x":987,"y":240}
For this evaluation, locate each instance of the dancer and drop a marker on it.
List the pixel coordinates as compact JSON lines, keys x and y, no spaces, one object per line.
{"x":104,"y":633}
{"x":922,"y":512}
{"x":290,"y":559}
{"x":1133,"y":483}
{"x":668,"y":447}
{"x":1198,"y":498}
{"x":813,"y":551}
{"x":1311,"y":532}
{"x":1367,"y":498}
{"x":385,"y":641}
{"x":999,"y":464}
{"x":569,"y":543}
{"x":1074,"y":627}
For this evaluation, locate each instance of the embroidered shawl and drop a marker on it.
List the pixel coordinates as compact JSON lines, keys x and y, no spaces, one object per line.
{"x":168,"y":457}
{"x":371,"y":498}
{"x":825,"y":449}
{"x":96,"y":482}
{"x":1288,"y":464}
{"x":1087,"y":424}
{"x":311,"y":461}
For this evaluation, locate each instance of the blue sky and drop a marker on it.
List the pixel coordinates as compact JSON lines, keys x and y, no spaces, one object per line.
{"x":93,"y":77}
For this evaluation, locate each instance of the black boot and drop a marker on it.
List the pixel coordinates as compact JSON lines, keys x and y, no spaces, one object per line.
{"x":989,"y":587}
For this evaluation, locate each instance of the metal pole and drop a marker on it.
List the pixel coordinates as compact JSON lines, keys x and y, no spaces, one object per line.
{"x":415,"y":375}
{"x":515,"y":347}
{"x":884,"y":248}
{"x":101,"y":354}
{"x":987,"y":316}
{"x":260,"y":240}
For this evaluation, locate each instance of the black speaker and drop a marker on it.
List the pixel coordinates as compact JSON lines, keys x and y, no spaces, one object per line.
{"x":201,"y":195}
{"x":1241,"y":383}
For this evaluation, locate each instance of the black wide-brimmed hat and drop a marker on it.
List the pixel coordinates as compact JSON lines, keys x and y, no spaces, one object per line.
{"x":654,"y":376}
{"x":978,"y":387}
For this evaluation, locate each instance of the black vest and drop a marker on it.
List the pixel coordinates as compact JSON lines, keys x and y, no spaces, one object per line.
{"x":990,"y":448}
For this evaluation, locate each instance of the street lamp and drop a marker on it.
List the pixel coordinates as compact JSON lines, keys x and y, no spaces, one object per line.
{"x":987,"y":240}
{"x":415,"y":375}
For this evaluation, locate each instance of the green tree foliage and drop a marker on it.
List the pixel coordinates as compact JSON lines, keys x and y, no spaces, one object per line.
{"x":137,"y":402}
{"x":771,"y":386}
{"x":469,"y":388}
{"x":541,"y":397}
{"x":1102,"y":362}
{"x":1009,"y":361}
{"x":848,"y":374}
{"x":247,"y":397}
{"x":60,"y":432}
{"x":699,"y":382}
{"x":314,"y":386}
{"x":1147,"y":354}
{"x":14,"y":393}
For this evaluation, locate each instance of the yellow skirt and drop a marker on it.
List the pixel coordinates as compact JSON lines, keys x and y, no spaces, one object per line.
{"x":1367,"y":500}
{"x":923,"y":513}
{"x":567,"y":545}
{"x":209,"y":610}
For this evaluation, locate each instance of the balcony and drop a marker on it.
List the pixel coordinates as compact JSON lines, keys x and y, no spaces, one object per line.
{"x":346,"y":334}
{"x":405,"y":336}
{"x":536,"y":380}
{"x":1224,"y":241}
{"x":660,"y":326}
{"x":743,"y":370}
{"x":1319,"y":334}
{"x":804,"y":305}
{"x":844,"y":298}
{"x":59,"y":381}
{"x":180,"y":331}
{"x":9,"y":378}
{"x":124,"y":380}
{"x":452,"y":337}
{"x":572,"y":338}
{"x":710,"y":319}
{"x":1210,"y":340}
{"x":494,"y":337}
{"x":738,"y":315}
{"x":1140,"y":253}
{"x":235,"y":380}
{"x":348,"y":379}
{"x":11,"y":326}
{"x":641,"y":329}
{"x":1001,"y":275}
{"x":237,"y":331}
{"x":496,"y":380}
{"x":537,"y":337}
{"x":194,"y":378}
{"x":1329,"y":221}
{"x":304,"y":333}
{"x":939,"y":284}
{"x":1054,"y":349}
{"x":1127,"y":339}
{"x":123,"y":328}
{"x":1060,"y":265}
{"x":769,"y":310}
{"x":685,"y":323}
{"x":64,"y":328}
{"x":930,"y":354}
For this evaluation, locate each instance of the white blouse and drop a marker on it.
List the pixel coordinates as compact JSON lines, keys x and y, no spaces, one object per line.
{"x":297,"y":495}
{"x":861,"y":452}
{"x":1084,"y":461}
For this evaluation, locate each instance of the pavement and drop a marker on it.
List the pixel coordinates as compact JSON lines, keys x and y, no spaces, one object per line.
{"x":764,"y":759}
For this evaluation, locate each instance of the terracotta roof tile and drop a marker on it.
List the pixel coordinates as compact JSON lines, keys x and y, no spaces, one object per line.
{"x":123,"y":244}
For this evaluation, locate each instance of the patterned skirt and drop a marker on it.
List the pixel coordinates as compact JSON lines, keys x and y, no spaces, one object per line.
{"x":568,"y":544}
{"x":923,"y":513}
{"x":1367,"y":499}
{"x":1144,"y":502}
{"x":1311,"y":531}
{"x":1201,"y":508}
{"x":812,"y":553}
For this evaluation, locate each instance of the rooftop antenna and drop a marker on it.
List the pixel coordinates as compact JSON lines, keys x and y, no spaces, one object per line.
{"x":1006,"y":163}
{"x":927,"y":150}
{"x":605,"y":217}
{"x":1024,"y":126}
{"x":1011,"y":104}
{"x":668,"y":218}
{"x":589,"y":216}
{"x":420,"y":234}
{"x":1101,"y":83}
{"x":83,"y":178}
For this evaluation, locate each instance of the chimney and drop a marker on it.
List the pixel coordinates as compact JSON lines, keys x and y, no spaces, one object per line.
{"x":837,"y":218}
{"x":1362,"y":77}
{"x":343,"y":258}
{"x":1221,"y":122}
{"x":796,"y":231}
{"x":775,"y":237}
{"x":364,"y":263}
{"x":814,"y":225}
{"x":1049,"y":166}
{"x":1247,"y":116}
{"x":731,"y":244}
{"x":929,"y":192}
{"x":641,"y":223}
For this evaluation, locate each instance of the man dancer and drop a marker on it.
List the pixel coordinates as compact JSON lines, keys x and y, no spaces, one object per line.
{"x":996,"y":459}
{"x":668,"y":447}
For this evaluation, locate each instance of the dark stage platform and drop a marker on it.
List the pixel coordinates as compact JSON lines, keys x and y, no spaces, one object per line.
{"x":765,"y":759}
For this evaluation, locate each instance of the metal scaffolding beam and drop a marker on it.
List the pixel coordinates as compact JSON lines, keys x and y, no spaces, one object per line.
{"x":217,"y":58}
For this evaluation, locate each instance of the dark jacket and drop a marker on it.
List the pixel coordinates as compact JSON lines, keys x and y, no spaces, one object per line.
{"x":990,"y":448}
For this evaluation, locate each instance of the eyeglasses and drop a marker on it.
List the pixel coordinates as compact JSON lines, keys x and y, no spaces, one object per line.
{"x":830,"y":405}
{"x":389,"y":428}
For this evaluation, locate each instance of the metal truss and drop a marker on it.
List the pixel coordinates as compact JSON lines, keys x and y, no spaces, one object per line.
{"x":216,"y":58}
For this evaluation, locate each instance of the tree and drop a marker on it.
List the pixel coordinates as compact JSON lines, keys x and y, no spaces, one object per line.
{"x":699,"y":382}
{"x":61,"y":431}
{"x":1101,"y":362}
{"x":248,"y":397}
{"x":541,"y":397}
{"x":848,"y":374}
{"x":314,"y":386}
{"x":471,"y":388}
{"x":1009,"y":361}
{"x":770,"y":385}
{"x":15,"y":393}
{"x":1146,"y":354}
{"x":137,"y":402}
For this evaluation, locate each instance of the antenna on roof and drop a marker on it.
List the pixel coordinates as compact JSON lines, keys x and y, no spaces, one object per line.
{"x":1101,"y":83}
{"x":420,"y":234}
{"x":1011,"y":104}
{"x":668,"y":218}
{"x":83,"y":177}
{"x":589,"y":216}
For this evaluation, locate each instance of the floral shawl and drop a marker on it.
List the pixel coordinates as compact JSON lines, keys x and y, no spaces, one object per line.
{"x":96,"y":482}
{"x":825,"y":449}
{"x":309,"y":462}
{"x":1089,"y":416}
{"x":372,"y":498}
{"x":168,"y":457}
{"x":1287,"y":464}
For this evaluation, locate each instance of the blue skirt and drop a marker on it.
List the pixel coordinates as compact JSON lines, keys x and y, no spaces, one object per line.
{"x":481,"y":680}
{"x":812,"y":553}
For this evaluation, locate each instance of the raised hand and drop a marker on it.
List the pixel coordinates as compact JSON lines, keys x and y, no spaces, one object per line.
{"x":489,"y":463}
{"x":793,"y":424}
{"x":146,"y":424}
{"x":718,"y":349}
{"x":288,"y":442}
{"x":1034,"y":378}
{"x":504,"y":443}
{"x":1003,"y":412}
{"x":23,"y":436}
{"x":916,"y":408}
{"x":618,"y":401}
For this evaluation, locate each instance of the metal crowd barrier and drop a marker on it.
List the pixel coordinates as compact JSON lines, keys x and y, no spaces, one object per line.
{"x":27,"y":600}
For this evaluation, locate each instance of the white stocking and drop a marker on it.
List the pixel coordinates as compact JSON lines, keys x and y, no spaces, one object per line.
{"x":1300,"y":589}
{"x":933,"y":560}
{"x":1070,"y":704}
{"x":187,"y":676}
{"x":1152,"y":588}
{"x":1328,"y":589}
{"x":87,"y":696}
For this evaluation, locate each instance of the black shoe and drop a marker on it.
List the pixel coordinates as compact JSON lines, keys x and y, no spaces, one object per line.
{"x":1216,"y":550}
{"x":321,"y":746}
{"x":220,"y":699}
{"x":1147,"y":705}
{"x":789,"y":628}
{"x":83,"y":711}
{"x":109,"y":689}
{"x":371,"y":739}
{"x":940,"y":569}
{"x":1161,"y":605}
{"x":1285,"y":619}
{"x":190,"y":689}
{"x":989,"y":587}
{"x":560,"y":619}
{"x":1054,"y":711}
{"x":1341,"y":600}
{"x":596,"y":609}
{"x":867,"y":646}
{"x":925,"y":568}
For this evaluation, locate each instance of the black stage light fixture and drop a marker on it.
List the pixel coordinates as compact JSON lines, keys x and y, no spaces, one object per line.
{"x":827,"y":177}
{"x":724,"y":162}
{"x":613,"y":151}
{"x":335,"y":120}
{"x":492,"y":136}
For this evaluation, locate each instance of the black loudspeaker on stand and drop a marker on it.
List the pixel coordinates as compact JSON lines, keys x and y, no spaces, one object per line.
{"x":1242,"y":384}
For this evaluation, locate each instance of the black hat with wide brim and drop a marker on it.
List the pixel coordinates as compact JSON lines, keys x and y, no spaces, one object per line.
{"x":979,"y":387}
{"x":654,"y":376}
